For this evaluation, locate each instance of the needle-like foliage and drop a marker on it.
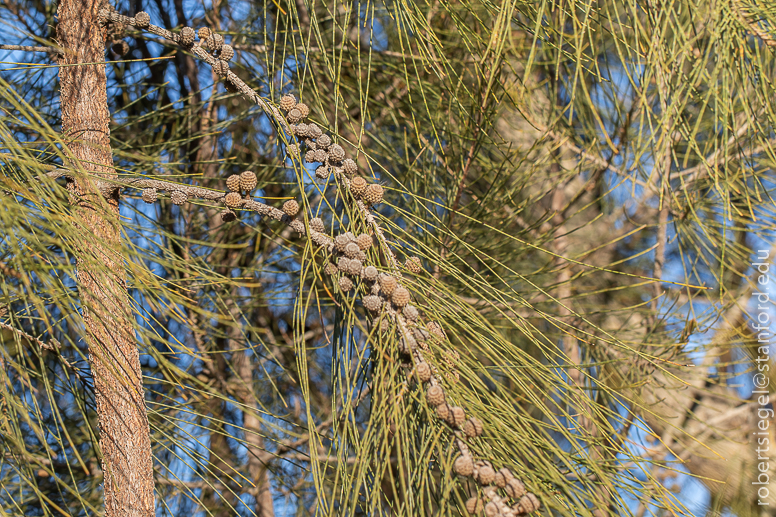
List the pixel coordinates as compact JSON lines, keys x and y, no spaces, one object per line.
{"x":572,"y":194}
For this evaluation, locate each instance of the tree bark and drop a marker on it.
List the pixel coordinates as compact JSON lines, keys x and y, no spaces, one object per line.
{"x":124,"y":433}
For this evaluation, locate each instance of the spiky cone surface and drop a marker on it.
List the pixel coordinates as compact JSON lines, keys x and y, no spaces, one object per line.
{"x":227,"y":53}
{"x":330,"y":269}
{"x":204,"y":33}
{"x":457,"y":417}
{"x":228,"y":216}
{"x":435,"y":396}
{"x":528,"y":503}
{"x":369,"y":273}
{"x":354,"y":268}
{"x":400,"y":296}
{"x":372,"y":303}
{"x":295,"y":115}
{"x":150,"y":195}
{"x":436,"y":329}
{"x":319,"y":155}
{"x":349,"y":167}
{"x":233,"y":183}
{"x":341,"y":242}
{"x":304,"y":109}
{"x":373,"y":194}
{"x":300,"y":130}
{"x":323,"y":141}
{"x":364,"y":241}
{"x":485,"y":475}
{"x":343,"y":264}
{"x":473,"y":427}
{"x":411,"y":313}
{"x":443,"y":412}
{"x":292,"y":150}
{"x":187,"y":36}
{"x":345,"y":284}
{"x":423,"y":371}
{"x":506,"y":473}
{"x":463,"y":466}
{"x":214,"y":42}
{"x":352,"y":249}
{"x":474,"y":505}
{"x":248,"y":181}
{"x":387,"y":284}
{"x":491,"y":509}
{"x":413,"y":265}
{"x":316,"y":223}
{"x":514,"y":488}
{"x":142,"y":20}
{"x":221,"y":68}
{"x":358,"y":186}
{"x":291,"y":208}
{"x":287,"y":102}
{"x":233,"y":199}
{"x":337,"y":153}
{"x":314,"y":131}
{"x":499,"y":480}
{"x":322,"y":172}
{"x":178,"y":198}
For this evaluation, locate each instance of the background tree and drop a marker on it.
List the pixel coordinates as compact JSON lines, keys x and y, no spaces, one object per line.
{"x":586,"y":186}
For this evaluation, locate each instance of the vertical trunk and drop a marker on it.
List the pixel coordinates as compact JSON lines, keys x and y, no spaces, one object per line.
{"x":115,"y":364}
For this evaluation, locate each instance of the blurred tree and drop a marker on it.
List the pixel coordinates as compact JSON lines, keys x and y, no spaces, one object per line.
{"x":586,"y":187}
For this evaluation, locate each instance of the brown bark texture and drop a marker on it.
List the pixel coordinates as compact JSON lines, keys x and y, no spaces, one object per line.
{"x":124,"y":432}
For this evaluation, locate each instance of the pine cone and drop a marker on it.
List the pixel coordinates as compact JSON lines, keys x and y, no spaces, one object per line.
{"x":349,"y":166}
{"x":227,"y":53}
{"x":233,"y":183}
{"x":372,"y":303}
{"x":411,"y":313}
{"x":313,"y":131}
{"x":473,"y":427}
{"x":423,"y":370}
{"x":187,"y":36}
{"x":233,"y":200}
{"x":369,"y":273}
{"x":291,"y":207}
{"x":413,"y":265}
{"x":295,"y":115}
{"x":345,"y":284}
{"x":463,"y":466}
{"x":149,"y":195}
{"x":387,"y":284}
{"x":400,"y":296}
{"x":351,"y":249}
{"x":248,"y":180}
{"x":142,"y":20}
{"x":287,"y":102}
{"x":373,"y":194}
{"x":358,"y":186}
{"x":364,"y":241}
{"x":337,"y":153}
{"x":435,"y":396}
{"x":178,"y":197}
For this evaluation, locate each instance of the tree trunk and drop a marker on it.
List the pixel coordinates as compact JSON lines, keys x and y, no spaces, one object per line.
{"x":124,"y":433}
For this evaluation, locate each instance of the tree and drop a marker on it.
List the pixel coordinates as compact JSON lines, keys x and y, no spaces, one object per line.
{"x":570,"y":195}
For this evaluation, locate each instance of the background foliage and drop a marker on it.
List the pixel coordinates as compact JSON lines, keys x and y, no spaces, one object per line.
{"x":546,"y":160}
